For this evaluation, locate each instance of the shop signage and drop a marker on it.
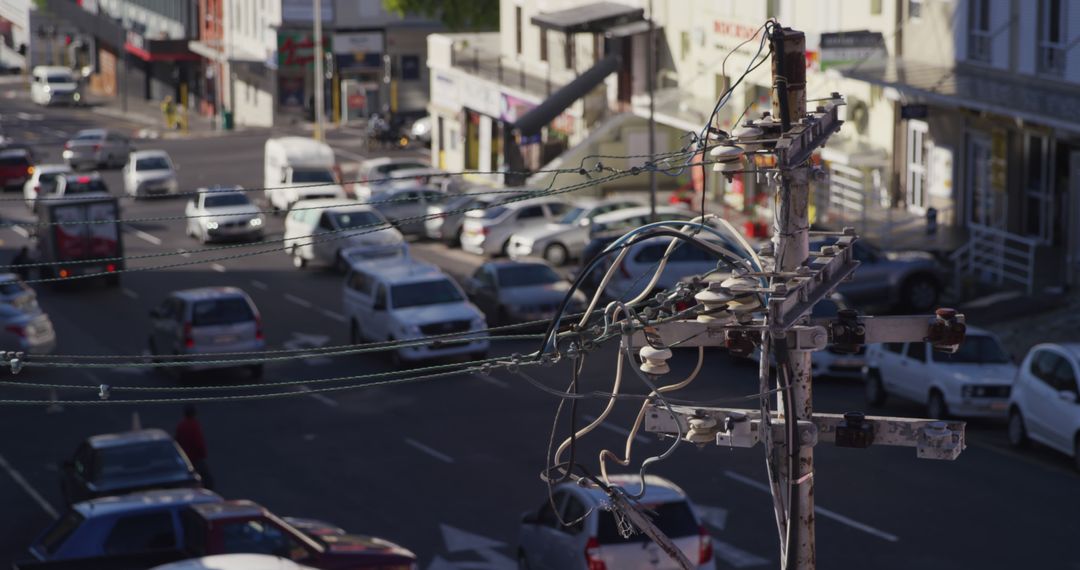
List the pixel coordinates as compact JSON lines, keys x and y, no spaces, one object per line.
{"x":297,"y":48}
{"x":848,"y":48}
{"x":364,"y":42}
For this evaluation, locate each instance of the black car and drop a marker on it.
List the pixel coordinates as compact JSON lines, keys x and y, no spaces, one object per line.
{"x":520,"y":291}
{"x":113,"y":464}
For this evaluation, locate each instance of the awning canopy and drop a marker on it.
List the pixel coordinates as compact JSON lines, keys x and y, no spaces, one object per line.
{"x":590,"y":18}
{"x":1034,"y":101}
{"x":530,"y":123}
{"x":630,"y":29}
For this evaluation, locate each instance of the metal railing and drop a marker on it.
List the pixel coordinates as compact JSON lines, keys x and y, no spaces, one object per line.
{"x":996,"y":256}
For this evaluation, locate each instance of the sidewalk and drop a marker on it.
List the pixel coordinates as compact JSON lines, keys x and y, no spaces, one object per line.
{"x":148,"y":114}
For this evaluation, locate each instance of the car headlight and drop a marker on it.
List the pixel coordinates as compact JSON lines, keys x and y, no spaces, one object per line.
{"x":47,"y":89}
{"x":255,"y":222}
{"x":478,"y":323}
{"x":211,"y":225}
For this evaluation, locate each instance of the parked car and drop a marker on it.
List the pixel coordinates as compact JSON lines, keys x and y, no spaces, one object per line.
{"x":643,"y":259}
{"x":560,"y":241}
{"x":1045,"y":402}
{"x":120,"y":463}
{"x":606,"y":228}
{"x":223,"y":212}
{"x":905,"y":280}
{"x":511,"y":291}
{"x":377,"y":172}
{"x":29,"y":332}
{"x":407,"y":206}
{"x":16,"y":167}
{"x":42,"y":182}
{"x":487,"y":232}
{"x":410,"y":300}
{"x":16,"y":293}
{"x":445,"y":219}
{"x":54,"y":84}
{"x":88,"y":184}
{"x":118,"y":525}
{"x":973,"y":382}
{"x":206,"y":321}
{"x":97,"y":148}
{"x":595,"y":541}
{"x":149,"y":173}
{"x":234,"y":562}
{"x":317,"y":231}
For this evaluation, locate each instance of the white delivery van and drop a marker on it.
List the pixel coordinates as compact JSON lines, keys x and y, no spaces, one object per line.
{"x":53,"y":84}
{"x":299,"y":168}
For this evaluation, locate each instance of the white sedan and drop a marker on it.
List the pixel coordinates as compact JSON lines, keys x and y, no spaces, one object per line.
{"x":149,"y":172}
{"x":1045,"y":401}
{"x":222,"y":213}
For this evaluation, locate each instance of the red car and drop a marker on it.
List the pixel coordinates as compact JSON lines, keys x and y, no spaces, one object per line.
{"x":16,"y":167}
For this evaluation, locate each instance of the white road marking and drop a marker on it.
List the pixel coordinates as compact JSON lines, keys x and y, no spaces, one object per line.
{"x":21,"y":231}
{"x":22,"y":482}
{"x":335,"y":316}
{"x":818,"y":509}
{"x":149,"y":238}
{"x":297,"y":300}
{"x":735,"y":556}
{"x":715,"y":517}
{"x":436,"y":454}
{"x":259,"y":284}
{"x":317,"y":396}
{"x":217,"y":267}
{"x":616,"y":429}
{"x":183,"y":252}
{"x":129,"y":293}
{"x":490,"y":379}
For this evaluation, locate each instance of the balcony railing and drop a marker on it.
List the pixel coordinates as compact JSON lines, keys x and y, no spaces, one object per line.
{"x":491,"y":65}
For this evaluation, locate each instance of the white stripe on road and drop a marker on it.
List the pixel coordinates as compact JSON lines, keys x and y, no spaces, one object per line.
{"x":22,"y":482}
{"x":490,"y":379}
{"x":150,"y":238}
{"x":320,"y":397}
{"x":621,"y":431}
{"x":436,"y":454}
{"x":183,"y":252}
{"x":217,"y":267}
{"x":129,"y":293}
{"x":299,"y":301}
{"x":335,"y":316}
{"x":259,"y":284}
{"x":736,"y":557}
{"x":819,"y":509}
{"x":21,"y":231}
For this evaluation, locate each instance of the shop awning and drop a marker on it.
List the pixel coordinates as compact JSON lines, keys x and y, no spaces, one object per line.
{"x":630,"y":29}
{"x":544,"y":113}
{"x":590,"y":18}
{"x":979,"y":90}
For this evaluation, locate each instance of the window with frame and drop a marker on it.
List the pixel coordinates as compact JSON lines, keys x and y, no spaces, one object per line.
{"x":915,"y":9}
{"x":531,"y":212}
{"x":1051,"y":48}
{"x":979,"y":38}
{"x":1038,"y":192}
{"x":1042,"y":366}
{"x":895,"y":347}
{"x":1064,"y":376}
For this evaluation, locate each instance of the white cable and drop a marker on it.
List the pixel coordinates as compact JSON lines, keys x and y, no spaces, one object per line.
{"x":742,"y":241}
{"x":603,"y":415}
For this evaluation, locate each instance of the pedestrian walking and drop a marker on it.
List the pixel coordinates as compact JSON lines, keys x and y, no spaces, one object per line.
{"x":189,"y":435}
{"x":168,"y":108}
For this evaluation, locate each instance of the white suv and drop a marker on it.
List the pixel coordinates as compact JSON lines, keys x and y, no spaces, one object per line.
{"x":408,"y":300}
{"x":974,"y":382}
{"x":1045,"y":405}
{"x":487,"y":232}
{"x":594,"y":540}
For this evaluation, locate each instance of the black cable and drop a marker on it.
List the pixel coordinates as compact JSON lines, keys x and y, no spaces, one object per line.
{"x":792,"y":443}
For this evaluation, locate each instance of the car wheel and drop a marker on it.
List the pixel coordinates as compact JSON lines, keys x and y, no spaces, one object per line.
{"x":256,"y":371}
{"x":556,"y":254}
{"x":298,"y":260}
{"x":875,"y":389}
{"x":1018,"y":436}
{"x":935,"y":406}
{"x":920,"y":294}
{"x":504,"y":251}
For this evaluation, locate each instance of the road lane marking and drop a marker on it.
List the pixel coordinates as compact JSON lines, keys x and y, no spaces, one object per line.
{"x":259,"y":284}
{"x":150,"y":238}
{"x":317,"y":396}
{"x":21,"y":231}
{"x":490,"y":379}
{"x":818,"y":509}
{"x":297,"y":300}
{"x":436,"y":454}
{"x":129,"y":293}
{"x":335,"y":316}
{"x":22,"y":482}
{"x":621,"y":431}
{"x":217,"y":267}
{"x":183,"y":252}
{"x":736,"y":557}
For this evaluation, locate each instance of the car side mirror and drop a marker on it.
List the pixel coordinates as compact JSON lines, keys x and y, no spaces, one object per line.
{"x":1068,"y":396}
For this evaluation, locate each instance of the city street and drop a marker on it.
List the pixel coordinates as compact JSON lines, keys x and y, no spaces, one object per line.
{"x":447,"y":466}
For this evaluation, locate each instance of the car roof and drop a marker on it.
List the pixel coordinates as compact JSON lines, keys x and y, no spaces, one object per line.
{"x":638,"y":211}
{"x":106,"y":440}
{"x":101,"y":132}
{"x":1070,"y":348}
{"x":203,"y":293}
{"x":332,"y":203}
{"x":149,"y":153}
{"x":376,"y":162}
{"x":145,"y":500}
{"x":657,"y":489}
{"x":405,"y":270}
{"x":42,"y":168}
{"x":229,"y":509}
{"x":221,"y":188}
{"x":234,"y":562}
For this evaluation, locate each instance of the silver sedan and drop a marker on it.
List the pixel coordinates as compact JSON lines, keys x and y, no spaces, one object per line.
{"x":223,"y":213}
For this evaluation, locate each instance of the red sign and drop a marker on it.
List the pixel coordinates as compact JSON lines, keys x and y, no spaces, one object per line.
{"x":735,"y":29}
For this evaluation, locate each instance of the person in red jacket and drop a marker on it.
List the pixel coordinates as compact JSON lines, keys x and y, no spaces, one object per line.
{"x":189,"y":435}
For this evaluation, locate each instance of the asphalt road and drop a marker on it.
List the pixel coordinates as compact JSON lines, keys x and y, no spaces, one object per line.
{"x":446,"y":467}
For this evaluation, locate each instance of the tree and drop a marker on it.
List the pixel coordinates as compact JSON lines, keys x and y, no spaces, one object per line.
{"x":475,"y":15}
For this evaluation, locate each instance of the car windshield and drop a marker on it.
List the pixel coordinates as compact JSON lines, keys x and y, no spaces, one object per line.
{"x":225,"y":199}
{"x":84,"y":185}
{"x":58,"y":79}
{"x":224,"y":311}
{"x":976,"y":349}
{"x":150,"y":460}
{"x":572,"y":216}
{"x":313,"y":176}
{"x":676,"y":520}
{"x":89,"y":136}
{"x":152,"y":163}
{"x":526,"y":275}
{"x":48,"y":181}
{"x":425,"y":293}
{"x":345,"y":220}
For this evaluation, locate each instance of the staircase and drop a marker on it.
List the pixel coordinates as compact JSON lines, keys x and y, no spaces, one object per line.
{"x":997,"y":257}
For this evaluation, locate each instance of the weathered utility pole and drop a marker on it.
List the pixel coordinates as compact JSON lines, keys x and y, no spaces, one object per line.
{"x":319,"y":79}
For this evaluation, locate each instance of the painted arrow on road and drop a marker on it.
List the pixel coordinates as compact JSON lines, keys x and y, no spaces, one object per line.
{"x":458,"y":540}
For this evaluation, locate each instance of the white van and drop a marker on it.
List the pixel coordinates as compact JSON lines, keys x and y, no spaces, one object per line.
{"x":408,"y":301}
{"x":299,"y":168}
{"x":52,"y":84}
{"x":318,"y":231}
